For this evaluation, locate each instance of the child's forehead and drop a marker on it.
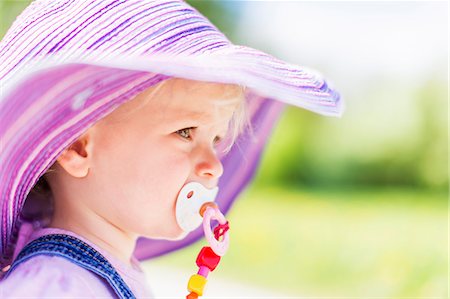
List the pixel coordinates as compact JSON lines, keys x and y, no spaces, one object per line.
{"x":178,"y":114}
{"x":185,"y":92}
{"x":193,"y":98}
{"x":179,"y":99}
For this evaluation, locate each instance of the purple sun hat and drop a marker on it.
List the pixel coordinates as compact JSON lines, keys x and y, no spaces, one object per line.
{"x":66,"y":64}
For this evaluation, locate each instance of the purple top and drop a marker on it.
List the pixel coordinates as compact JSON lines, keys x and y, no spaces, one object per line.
{"x":54,"y":276}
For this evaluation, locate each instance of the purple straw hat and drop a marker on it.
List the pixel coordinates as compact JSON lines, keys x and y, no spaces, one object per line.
{"x":66,"y":64}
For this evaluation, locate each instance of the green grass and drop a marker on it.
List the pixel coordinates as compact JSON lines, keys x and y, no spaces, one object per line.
{"x":346,"y":243}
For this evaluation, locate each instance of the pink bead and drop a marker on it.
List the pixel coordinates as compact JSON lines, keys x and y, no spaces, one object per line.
{"x":203,"y":271}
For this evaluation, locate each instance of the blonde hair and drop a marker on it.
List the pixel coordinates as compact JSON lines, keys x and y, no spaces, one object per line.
{"x":240,"y":121}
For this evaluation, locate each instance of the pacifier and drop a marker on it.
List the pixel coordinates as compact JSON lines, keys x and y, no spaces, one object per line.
{"x":195,"y":204}
{"x":190,"y":200}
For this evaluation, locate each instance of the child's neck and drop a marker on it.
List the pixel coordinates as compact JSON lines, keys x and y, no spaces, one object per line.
{"x":97,"y":230}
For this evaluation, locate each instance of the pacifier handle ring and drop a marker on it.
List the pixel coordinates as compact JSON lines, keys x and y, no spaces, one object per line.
{"x":219,"y":247}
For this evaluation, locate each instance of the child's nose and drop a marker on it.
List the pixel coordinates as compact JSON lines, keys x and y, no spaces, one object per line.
{"x":208,"y":165}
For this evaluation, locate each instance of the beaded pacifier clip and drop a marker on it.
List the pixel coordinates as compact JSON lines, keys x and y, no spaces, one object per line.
{"x":209,"y":256}
{"x":195,"y":205}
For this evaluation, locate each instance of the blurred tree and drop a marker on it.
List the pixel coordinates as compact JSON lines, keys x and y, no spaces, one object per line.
{"x":432,"y":153}
{"x":9,"y":10}
{"x":306,"y":150}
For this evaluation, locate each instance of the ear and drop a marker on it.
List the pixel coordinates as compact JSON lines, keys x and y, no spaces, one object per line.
{"x":77,"y":157}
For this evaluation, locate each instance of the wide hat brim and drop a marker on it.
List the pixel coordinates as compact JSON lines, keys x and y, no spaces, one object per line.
{"x":47,"y":105}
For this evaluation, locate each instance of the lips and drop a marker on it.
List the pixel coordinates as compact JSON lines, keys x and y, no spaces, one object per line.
{"x":189,"y":202}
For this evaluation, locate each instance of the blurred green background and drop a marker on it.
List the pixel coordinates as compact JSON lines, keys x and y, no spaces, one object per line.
{"x":350,"y":207}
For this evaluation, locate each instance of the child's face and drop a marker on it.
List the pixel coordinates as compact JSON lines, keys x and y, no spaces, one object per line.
{"x":140,"y":159}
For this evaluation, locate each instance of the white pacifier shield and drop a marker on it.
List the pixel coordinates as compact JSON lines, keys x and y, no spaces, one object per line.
{"x":190,"y":199}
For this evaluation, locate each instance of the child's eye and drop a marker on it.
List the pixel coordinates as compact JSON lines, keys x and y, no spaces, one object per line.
{"x":185,"y":133}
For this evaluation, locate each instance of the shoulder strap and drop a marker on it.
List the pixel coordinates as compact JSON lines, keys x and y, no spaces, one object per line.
{"x":78,"y":252}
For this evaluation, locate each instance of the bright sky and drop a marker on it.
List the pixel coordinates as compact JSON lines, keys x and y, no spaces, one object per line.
{"x":351,"y":38}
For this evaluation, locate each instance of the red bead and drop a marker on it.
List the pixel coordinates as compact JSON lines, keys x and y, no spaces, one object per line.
{"x":207,"y":258}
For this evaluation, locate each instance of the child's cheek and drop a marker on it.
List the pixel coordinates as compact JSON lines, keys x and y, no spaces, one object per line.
{"x":172,"y":165}
{"x":175,"y":169}
{"x":179,"y":166}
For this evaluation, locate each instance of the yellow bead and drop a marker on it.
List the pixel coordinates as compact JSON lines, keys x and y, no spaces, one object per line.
{"x":197,"y":284}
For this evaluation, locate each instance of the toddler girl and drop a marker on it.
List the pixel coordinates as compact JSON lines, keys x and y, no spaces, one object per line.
{"x":110,"y":110}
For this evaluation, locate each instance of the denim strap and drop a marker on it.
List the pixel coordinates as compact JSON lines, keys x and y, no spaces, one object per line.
{"x":77,"y":252}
